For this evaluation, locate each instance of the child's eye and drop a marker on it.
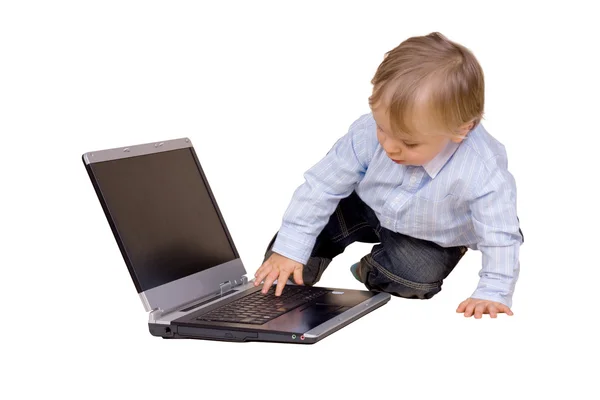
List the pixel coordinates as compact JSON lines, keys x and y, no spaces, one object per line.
{"x":411,"y":145}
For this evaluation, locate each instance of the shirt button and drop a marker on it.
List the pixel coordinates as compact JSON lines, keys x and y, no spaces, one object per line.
{"x":413,"y":179}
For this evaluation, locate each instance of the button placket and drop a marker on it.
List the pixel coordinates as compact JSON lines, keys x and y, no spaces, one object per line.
{"x":411,"y":186}
{"x":415,"y":177}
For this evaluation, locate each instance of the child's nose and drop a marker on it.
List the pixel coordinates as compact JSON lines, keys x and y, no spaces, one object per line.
{"x":390,"y":148}
{"x":388,"y":145}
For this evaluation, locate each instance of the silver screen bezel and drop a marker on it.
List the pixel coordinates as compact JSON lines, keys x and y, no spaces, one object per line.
{"x":176,"y":293}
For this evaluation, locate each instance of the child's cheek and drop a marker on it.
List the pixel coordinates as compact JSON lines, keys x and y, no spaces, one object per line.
{"x":418,"y":158}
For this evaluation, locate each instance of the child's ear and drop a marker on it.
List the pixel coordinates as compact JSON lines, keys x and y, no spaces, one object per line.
{"x":461,"y":132}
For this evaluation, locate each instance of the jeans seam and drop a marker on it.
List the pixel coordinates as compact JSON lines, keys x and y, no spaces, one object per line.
{"x":342,"y":222}
{"x":378,"y":231}
{"x":349,"y":232}
{"x":396,"y":278}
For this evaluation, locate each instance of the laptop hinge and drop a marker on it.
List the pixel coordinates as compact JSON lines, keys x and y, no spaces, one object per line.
{"x":224,"y":288}
{"x":228,"y":285}
{"x":155,"y":315}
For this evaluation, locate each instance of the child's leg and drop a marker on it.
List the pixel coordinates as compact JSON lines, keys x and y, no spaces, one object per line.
{"x":407,"y":267}
{"x":346,"y":225}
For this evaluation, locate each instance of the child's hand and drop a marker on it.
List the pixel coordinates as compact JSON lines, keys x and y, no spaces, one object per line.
{"x":280,"y":268}
{"x":479,"y":307}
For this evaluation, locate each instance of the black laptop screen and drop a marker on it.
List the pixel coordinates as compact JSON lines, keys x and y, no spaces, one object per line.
{"x":164,"y":217}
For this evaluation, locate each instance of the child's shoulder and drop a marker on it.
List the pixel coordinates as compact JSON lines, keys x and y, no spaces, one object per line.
{"x":486,"y":157}
{"x":484,"y":148}
{"x":364,"y":131}
{"x":364,"y":123}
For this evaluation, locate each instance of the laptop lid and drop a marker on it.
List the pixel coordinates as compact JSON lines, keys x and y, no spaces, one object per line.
{"x":165,"y":220}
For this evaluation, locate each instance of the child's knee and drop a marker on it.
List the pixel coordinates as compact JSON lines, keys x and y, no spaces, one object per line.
{"x":380,"y":279}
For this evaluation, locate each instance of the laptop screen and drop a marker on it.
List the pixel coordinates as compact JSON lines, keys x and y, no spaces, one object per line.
{"x":164,"y":216}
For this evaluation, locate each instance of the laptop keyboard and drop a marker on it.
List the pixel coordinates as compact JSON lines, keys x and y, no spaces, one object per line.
{"x":258,"y":308}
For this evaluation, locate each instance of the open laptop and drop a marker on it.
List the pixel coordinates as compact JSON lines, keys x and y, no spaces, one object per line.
{"x":184,"y":263}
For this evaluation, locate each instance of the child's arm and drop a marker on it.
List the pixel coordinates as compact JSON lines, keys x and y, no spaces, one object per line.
{"x":493,"y":210}
{"x":330,"y":180}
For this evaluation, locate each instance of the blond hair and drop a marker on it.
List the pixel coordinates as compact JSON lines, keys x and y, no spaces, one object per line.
{"x":433,"y":72}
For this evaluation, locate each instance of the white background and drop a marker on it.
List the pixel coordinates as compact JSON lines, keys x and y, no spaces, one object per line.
{"x":264,"y":90}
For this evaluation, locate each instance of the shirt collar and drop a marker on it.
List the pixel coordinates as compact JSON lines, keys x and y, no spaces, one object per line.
{"x":434,"y":166}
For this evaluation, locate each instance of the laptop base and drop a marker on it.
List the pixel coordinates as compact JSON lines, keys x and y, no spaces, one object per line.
{"x":282,"y":329}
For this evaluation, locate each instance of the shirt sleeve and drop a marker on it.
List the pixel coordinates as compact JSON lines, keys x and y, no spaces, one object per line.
{"x":496,"y":225}
{"x":326,"y":183}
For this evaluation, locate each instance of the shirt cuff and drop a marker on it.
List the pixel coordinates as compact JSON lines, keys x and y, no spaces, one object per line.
{"x":483,"y":294}
{"x":294,"y":246}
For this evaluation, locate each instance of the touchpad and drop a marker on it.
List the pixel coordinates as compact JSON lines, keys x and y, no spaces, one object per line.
{"x":307,"y":317}
{"x":323,"y":308}
{"x":316,"y":314}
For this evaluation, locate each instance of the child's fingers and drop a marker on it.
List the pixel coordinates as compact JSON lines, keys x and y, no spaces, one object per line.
{"x":505,"y":309}
{"x":480,"y":309}
{"x":270,"y":279}
{"x":462,"y":306}
{"x":281,"y":281}
{"x":262,"y":273}
{"x":469,"y":309}
{"x":476,"y":307}
{"x":298,"y":276}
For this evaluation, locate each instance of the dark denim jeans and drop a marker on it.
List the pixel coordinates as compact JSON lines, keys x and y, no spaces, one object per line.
{"x":398,"y":264}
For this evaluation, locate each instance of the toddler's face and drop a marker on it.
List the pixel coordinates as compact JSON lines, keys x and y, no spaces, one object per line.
{"x":416,"y":148}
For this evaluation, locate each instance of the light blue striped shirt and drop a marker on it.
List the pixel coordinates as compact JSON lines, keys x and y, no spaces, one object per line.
{"x":465,"y":196}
